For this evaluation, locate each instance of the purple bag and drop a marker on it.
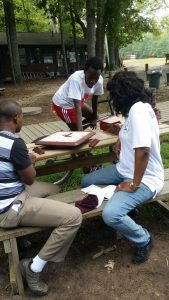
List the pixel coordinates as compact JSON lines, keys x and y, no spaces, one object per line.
{"x":88,"y":203}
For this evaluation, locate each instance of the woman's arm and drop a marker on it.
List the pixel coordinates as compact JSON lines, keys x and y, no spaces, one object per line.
{"x":117,"y":148}
{"x":141,"y":161}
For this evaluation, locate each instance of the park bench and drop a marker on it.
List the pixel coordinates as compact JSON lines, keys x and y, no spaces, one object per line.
{"x":9,"y":236}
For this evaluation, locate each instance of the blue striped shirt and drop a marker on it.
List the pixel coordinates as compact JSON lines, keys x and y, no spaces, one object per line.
{"x":13,"y":156}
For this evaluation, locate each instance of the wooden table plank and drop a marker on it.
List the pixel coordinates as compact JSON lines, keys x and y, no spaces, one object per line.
{"x":53,"y":127}
{"x":29,"y":130}
{"x":40,"y":131}
{"x":75,"y":163}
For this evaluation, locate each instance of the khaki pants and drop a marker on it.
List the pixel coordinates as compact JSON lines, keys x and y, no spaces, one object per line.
{"x":44,"y":212}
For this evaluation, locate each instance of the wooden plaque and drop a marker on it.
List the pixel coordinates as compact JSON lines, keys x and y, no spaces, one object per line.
{"x":66,"y":138}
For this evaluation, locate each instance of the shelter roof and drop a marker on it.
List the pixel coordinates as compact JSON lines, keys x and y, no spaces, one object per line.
{"x":41,"y":38}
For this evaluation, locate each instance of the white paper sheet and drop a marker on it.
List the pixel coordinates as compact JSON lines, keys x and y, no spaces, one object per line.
{"x":104,"y":193}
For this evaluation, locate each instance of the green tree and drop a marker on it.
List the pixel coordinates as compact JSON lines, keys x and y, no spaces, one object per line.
{"x":101,"y":27}
{"x":126,"y":23}
{"x":28,"y":18}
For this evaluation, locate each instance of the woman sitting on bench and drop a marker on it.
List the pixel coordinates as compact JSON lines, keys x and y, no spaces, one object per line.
{"x":139,"y":174}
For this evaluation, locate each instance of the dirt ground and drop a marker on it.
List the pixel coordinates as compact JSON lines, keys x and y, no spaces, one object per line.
{"x":81,"y":277}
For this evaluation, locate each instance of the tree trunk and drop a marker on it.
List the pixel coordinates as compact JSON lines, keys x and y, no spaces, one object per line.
{"x":114,"y":57}
{"x":90,"y":18}
{"x":100,"y":31}
{"x":74,"y":34}
{"x":117,"y":57}
{"x":62,"y":39}
{"x":12,"y":40}
{"x":111,"y":54}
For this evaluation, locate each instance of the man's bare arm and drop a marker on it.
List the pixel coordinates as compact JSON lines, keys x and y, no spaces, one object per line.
{"x":78,"y":109}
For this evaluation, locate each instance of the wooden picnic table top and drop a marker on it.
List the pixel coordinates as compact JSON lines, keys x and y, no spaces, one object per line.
{"x":106,"y":140}
{"x":29,"y":133}
{"x":36,"y":131}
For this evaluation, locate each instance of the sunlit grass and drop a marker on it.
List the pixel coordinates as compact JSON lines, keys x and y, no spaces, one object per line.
{"x":143,"y":61}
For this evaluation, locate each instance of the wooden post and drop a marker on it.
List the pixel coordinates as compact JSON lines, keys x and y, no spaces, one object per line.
{"x":10,"y":247}
{"x":167,"y":74}
{"x":146,"y":68}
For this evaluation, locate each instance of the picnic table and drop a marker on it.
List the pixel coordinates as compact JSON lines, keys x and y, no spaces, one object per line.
{"x":105,"y":140}
{"x":9,"y":236}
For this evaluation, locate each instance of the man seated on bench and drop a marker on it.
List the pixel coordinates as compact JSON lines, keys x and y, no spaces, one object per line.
{"x":22,"y":202}
{"x":139,"y":174}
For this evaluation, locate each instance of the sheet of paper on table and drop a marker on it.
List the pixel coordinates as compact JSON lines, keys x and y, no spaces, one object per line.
{"x":104,"y":193}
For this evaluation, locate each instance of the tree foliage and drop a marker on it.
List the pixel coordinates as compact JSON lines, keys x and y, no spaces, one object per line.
{"x":150,"y":46}
{"x":123,"y":21}
{"x":28,"y":17}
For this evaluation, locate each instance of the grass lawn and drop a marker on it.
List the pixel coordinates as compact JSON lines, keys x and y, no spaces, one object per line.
{"x":74,"y":181}
{"x":143,"y":61}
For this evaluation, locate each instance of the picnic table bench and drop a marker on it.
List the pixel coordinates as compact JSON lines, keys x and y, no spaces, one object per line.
{"x":9,"y":236}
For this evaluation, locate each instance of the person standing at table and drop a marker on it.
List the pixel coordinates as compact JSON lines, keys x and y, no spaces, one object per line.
{"x":139,"y":173}
{"x":22,"y":201}
{"x":69,"y":102}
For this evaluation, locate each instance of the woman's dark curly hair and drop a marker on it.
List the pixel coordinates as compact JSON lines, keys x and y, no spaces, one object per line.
{"x":126,"y":88}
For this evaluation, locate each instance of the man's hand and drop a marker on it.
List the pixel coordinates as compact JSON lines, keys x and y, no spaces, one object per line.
{"x":124,"y":186}
{"x":93,"y":123}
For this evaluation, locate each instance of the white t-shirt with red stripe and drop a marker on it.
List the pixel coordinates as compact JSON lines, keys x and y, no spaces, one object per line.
{"x":75,"y":88}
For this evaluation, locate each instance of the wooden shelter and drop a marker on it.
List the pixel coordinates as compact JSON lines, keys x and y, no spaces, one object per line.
{"x":40,"y":53}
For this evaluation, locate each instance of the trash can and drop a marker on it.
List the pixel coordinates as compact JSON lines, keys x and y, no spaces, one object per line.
{"x":154,"y":79}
